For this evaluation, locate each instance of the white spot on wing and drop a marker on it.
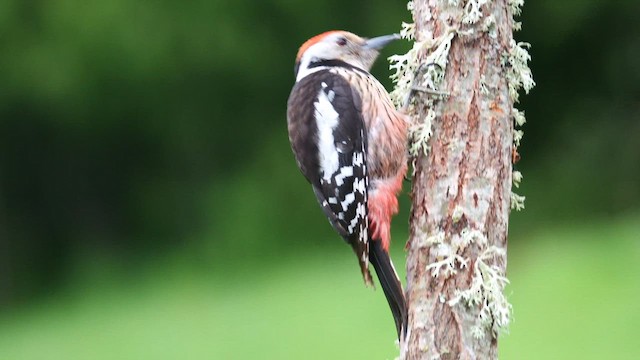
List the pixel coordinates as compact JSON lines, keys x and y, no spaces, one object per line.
{"x":348,"y":199}
{"x":331,"y":95}
{"x":358,"y":159}
{"x":360,"y":216}
{"x":344,"y":172}
{"x":343,"y":147}
{"x":326,"y":119}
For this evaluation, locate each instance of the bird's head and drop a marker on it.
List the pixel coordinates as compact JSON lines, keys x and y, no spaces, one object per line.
{"x":341,"y":46}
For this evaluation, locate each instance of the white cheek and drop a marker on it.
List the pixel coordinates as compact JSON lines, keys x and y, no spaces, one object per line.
{"x":304,"y":69}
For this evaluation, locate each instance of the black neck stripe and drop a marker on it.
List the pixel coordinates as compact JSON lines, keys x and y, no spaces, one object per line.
{"x":335,"y":63}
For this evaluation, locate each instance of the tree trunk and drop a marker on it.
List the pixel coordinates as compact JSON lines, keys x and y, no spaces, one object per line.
{"x":462,"y":148}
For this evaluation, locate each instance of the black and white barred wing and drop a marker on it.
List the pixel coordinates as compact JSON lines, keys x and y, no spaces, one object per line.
{"x":343,"y":191}
{"x":338,"y":173}
{"x":342,"y":162}
{"x":343,"y":197}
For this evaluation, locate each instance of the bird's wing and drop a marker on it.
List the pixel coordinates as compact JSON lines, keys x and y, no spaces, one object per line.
{"x":335,"y":163}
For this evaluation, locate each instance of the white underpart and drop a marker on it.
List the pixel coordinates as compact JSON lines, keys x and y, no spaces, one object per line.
{"x":326,"y":119}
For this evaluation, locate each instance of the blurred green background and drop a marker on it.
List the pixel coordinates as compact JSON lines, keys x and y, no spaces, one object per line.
{"x":150,"y":207}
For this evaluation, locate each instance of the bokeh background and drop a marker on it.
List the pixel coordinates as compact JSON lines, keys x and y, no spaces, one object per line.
{"x":150,"y":207}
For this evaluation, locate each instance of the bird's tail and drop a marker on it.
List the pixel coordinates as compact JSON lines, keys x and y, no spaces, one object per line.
{"x":390,"y":283}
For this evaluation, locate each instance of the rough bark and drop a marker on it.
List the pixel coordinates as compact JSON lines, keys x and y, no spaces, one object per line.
{"x":461,"y":187}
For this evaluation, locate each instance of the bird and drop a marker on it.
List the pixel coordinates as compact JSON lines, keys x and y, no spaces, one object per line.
{"x":350,"y":143}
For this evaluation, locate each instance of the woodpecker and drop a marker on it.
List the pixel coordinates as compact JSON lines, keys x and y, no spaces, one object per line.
{"x":350,"y":143}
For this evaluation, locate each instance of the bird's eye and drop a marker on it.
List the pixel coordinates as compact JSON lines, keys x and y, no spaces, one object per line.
{"x":341,"y":41}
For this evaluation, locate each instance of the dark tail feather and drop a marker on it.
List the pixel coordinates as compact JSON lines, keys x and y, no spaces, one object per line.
{"x":390,"y":284}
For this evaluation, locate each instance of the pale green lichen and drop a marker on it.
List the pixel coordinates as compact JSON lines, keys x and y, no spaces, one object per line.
{"x":437,"y":238}
{"x":407,"y":75}
{"x":449,"y":262}
{"x":516,"y":178}
{"x":472,"y":11}
{"x":420,"y":133}
{"x":517,"y":137}
{"x":486,"y":291}
{"x":517,"y":26}
{"x":489,"y":26}
{"x":518,"y":117}
{"x":487,"y":282}
{"x":517,"y":201}
{"x":515,"y":6}
{"x":468,"y":236}
{"x":457,"y":214}
{"x":518,"y":74}
{"x":436,"y":61}
{"x":403,"y":67}
{"x":453,"y":2}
